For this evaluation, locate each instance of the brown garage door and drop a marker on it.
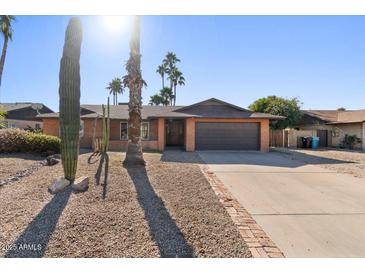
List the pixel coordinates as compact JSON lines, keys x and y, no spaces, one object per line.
{"x":227,"y":136}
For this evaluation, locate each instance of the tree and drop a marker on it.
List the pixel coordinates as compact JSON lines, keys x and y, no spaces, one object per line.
{"x":176,"y":78}
{"x":115,"y":87}
{"x":165,"y":98}
{"x":2,"y":118}
{"x":155,"y":100}
{"x":341,"y":109}
{"x":161,"y":69}
{"x":279,"y":106}
{"x":169,"y":63}
{"x":7,"y":32}
{"x":134,"y":81}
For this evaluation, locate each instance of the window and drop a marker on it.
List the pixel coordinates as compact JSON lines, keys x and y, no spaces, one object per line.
{"x":81,"y":133}
{"x":145,"y":128}
{"x":37,"y":126}
{"x":123,"y":131}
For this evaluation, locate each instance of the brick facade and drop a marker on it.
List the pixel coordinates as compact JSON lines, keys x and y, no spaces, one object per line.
{"x":156,"y":132}
{"x":51,"y":127}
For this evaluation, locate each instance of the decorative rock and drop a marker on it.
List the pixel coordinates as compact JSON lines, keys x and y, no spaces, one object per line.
{"x":53,"y":159}
{"x":58,"y":185}
{"x":81,"y":184}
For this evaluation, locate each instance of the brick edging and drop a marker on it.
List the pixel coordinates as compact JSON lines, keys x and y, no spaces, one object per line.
{"x":258,"y":242}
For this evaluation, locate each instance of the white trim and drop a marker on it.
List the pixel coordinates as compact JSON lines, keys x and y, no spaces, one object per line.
{"x":120,"y":131}
{"x":148,"y":130}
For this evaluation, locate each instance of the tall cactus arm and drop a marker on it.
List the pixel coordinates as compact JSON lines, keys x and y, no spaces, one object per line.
{"x":69,"y":92}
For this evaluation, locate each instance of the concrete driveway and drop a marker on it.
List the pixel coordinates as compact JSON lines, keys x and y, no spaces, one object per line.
{"x":306,"y":210}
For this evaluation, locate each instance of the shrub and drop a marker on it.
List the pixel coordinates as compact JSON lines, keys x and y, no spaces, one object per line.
{"x":17,"y":140}
{"x":349,"y":141}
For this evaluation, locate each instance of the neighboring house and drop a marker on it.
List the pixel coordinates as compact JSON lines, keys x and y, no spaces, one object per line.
{"x":24,"y":115}
{"x":210,"y":124}
{"x":331,"y":126}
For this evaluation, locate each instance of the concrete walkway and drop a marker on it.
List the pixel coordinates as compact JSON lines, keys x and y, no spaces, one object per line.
{"x":306,"y":210}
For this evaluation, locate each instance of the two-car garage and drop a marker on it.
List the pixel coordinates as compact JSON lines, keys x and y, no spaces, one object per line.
{"x":227,"y":136}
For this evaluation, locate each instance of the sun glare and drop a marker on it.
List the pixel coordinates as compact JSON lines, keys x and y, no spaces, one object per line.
{"x":115,"y":23}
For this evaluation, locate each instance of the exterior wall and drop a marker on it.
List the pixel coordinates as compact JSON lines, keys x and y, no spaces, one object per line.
{"x":51,"y":126}
{"x":336,"y":133}
{"x":86,"y":141}
{"x":264,"y":136}
{"x":294,"y":135}
{"x":23,"y":124}
{"x":190,"y":134}
{"x":122,"y":145}
{"x":157,"y":132}
{"x":352,"y":129}
{"x":161,"y":134}
{"x":190,"y":130}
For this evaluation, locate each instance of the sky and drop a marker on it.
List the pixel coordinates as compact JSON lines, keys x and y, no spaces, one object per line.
{"x":238,"y":59}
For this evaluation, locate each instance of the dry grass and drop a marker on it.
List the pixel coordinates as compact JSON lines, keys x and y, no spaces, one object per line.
{"x":166,"y":209}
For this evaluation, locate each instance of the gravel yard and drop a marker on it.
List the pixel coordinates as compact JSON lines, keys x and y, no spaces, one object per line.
{"x":350,"y":162}
{"x":166,"y":209}
{"x":11,"y":163}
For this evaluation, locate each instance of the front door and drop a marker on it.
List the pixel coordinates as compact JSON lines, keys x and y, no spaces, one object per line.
{"x":323,"y":137}
{"x":174,"y":132}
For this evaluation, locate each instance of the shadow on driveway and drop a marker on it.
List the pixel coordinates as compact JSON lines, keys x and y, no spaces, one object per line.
{"x":164,"y":231}
{"x":274,"y":159}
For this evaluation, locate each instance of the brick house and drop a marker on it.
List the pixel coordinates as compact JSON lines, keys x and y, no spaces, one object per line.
{"x":211,"y":124}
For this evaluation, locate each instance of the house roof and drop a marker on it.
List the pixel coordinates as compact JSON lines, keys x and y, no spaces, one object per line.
{"x":211,"y":108}
{"x":20,"y":105}
{"x":337,"y":116}
{"x":324,"y":115}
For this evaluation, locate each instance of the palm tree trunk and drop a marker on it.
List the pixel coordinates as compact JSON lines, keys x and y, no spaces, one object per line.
{"x":134,"y":155}
{"x":174,"y":95}
{"x":116,"y":99}
{"x":3,"y":55}
{"x":163,"y":81}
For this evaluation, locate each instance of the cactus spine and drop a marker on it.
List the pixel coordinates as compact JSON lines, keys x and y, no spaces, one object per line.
{"x":69,"y":92}
{"x":106,"y":127}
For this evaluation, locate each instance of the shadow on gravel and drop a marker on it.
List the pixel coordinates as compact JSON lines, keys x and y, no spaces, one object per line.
{"x":104,"y":162}
{"x":164,"y":231}
{"x":33,"y":241}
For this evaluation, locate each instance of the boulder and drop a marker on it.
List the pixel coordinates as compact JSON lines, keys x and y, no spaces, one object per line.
{"x":58,"y":185}
{"x":81,"y":184}
{"x":53,"y":159}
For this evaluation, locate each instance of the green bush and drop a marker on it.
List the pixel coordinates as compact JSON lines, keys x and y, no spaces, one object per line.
{"x":349,"y":141}
{"x":17,"y":140}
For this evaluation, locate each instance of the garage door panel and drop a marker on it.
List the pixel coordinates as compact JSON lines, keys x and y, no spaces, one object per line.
{"x":227,"y":136}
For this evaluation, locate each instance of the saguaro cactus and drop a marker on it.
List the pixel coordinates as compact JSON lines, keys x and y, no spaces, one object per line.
{"x":69,"y":92}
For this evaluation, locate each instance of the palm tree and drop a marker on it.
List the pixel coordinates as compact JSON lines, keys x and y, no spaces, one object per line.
{"x":169,"y":63}
{"x":177,"y":78}
{"x":167,"y":96}
{"x":115,"y":87}
{"x":155,"y":100}
{"x":7,"y":31}
{"x":161,"y":69}
{"x":134,"y":81}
